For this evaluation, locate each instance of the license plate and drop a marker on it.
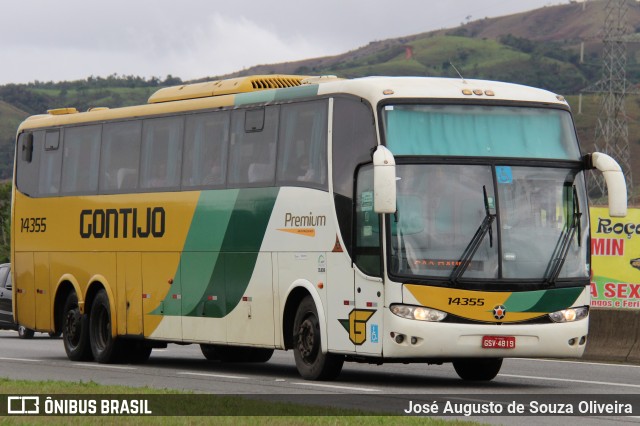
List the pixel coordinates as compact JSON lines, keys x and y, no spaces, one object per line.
{"x":498,"y":342}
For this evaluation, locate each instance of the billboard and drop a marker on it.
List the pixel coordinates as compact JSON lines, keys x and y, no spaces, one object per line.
{"x":615,"y":259}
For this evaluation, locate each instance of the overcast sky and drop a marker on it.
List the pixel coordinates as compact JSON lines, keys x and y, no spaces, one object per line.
{"x":55,"y":40}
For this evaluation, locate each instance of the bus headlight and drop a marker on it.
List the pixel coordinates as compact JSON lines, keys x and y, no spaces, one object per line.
{"x":569,"y":315}
{"x":419,"y":313}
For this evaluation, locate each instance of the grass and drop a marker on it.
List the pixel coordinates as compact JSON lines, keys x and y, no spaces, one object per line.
{"x":226,"y":406}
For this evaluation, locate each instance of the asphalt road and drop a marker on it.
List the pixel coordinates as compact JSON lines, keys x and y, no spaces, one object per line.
{"x":184,"y":368}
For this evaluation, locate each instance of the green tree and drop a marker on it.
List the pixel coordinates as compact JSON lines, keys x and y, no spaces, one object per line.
{"x":5,"y":222}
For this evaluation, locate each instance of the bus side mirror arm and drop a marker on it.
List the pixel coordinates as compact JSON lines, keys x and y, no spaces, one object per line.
{"x":384,"y":181}
{"x":614,"y":178}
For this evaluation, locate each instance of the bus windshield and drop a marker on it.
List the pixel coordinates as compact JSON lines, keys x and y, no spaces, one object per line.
{"x":489,"y":222}
{"x":480,"y":131}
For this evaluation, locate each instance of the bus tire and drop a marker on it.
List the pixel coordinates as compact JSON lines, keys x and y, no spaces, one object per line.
{"x":75,"y":331}
{"x":477,"y":369}
{"x":209,"y":352}
{"x":25,"y":333}
{"x":311,"y":363}
{"x":104,"y":347}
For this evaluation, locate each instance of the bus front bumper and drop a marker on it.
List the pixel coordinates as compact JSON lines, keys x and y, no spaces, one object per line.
{"x":405,"y":338}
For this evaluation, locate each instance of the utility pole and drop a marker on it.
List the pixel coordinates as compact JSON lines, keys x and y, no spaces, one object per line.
{"x":612,"y":131}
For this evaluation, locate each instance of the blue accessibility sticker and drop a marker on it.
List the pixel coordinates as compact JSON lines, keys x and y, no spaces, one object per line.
{"x":504,"y":174}
{"x":374,"y":333}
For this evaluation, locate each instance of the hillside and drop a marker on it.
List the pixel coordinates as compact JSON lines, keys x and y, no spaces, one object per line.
{"x":538,"y":48}
{"x":10,"y":118}
{"x":538,"y":42}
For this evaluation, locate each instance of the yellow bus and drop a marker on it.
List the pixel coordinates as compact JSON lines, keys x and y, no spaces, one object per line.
{"x":371,"y":220}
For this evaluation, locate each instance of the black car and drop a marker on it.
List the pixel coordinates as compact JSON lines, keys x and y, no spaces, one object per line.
{"x":6,"y":309}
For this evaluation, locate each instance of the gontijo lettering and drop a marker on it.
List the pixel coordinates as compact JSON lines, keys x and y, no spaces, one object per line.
{"x":123,"y":223}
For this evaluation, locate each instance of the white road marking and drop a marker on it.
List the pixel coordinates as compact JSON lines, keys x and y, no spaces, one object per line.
{"x":589,"y":382}
{"x":575,"y":362}
{"x":19,"y":359}
{"x":219,"y":376}
{"x":337,"y":387}
{"x":115,"y":367}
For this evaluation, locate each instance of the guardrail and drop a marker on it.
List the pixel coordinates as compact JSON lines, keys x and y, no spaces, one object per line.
{"x":614,"y":335}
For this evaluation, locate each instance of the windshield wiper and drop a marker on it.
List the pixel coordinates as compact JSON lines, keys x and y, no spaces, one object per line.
{"x":468,"y":253}
{"x":562,"y":248}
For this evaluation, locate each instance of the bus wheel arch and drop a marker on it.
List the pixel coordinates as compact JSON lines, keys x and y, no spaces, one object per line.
{"x":65,"y":288}
{"x":296,"y":294}
{"x":311,"y":361}
{"x":289,"y":314}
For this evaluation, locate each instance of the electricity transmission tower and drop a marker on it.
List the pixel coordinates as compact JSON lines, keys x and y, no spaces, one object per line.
{"x":612,"y":132}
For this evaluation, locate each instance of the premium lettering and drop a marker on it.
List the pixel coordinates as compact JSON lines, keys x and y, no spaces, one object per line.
{"x":307,"y":220}
{"x":123,"y":223}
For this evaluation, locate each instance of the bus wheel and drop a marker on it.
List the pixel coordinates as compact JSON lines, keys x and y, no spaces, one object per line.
{"x":210,"y":352}
{"x":104,"y":347}
{"x":75,"y":331}
{"x":312,"y":364}
{"x":478,"y":369}
{"x":24,"y":332}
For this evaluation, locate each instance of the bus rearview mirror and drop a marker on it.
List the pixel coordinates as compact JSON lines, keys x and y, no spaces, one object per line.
{"x":384,"y":181}
{"x":616,"y":185}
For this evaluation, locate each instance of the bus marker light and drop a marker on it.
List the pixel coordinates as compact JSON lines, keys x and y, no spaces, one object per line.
{"x":212,"y":297}
{"x":170,"y":281}
{"x":146,"y":296}
{"x":388,"y":92}
{"x":247,"y":299}
{"x":320,"y":286}
{"x":478,"y":92}
{"x":489,"y":93}
{"x":177,"y":296}
{"x":467,"y":92}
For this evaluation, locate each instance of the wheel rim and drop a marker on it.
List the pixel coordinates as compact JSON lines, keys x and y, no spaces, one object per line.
{"x":308,"y":341}
{"x":72,"y":328}
{"x":21,"y":330}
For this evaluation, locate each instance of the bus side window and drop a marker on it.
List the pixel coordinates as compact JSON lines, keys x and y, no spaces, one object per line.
{"x":205,"y":149}
{"x":367,"y":254}
{"x":302,"y":146}
{"x":50,"y":164}
{"x":161,"y":153}
{"x":81,"y":159}
{"x":27,"y":169}
{"x":252,"y":152}
{"x":354,"y":137}
{"x":120,"y":156}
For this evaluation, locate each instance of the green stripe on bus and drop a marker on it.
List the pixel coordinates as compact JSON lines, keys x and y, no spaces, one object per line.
{"x":220,"y":251}
{"x":543,"y":300}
